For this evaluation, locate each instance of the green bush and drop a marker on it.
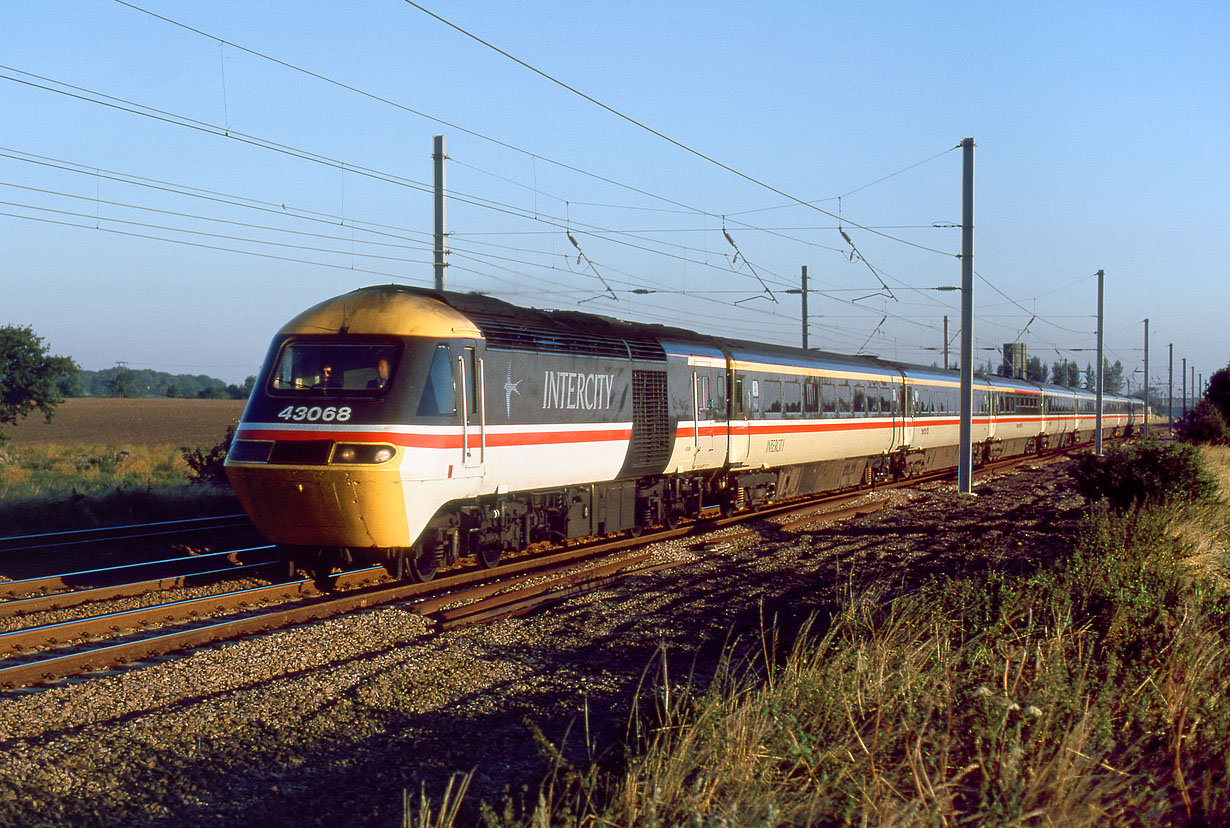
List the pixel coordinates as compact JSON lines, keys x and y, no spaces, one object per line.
{"x":205,"y":466}
{"x":1203,"y":424}
{"x":1148,"y":472}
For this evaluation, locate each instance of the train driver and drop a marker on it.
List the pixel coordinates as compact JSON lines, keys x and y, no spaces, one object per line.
{"x":382,"y":374}
{"x":327,"y":377}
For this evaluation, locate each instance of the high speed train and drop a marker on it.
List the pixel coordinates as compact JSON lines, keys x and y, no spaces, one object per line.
{"x":410,"y":427}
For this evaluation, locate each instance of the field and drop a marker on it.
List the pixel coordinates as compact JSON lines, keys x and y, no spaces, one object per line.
{"x":102,"y":421}
{"x":104,"y":461}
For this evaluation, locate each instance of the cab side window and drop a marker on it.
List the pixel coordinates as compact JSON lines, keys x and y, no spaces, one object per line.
{"x":439,"y":397}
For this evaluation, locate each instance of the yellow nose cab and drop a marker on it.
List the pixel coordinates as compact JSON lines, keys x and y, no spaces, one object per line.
{"x":354,"y":395}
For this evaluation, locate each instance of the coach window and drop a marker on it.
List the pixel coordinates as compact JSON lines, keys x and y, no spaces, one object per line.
{"x":811,"y":397}
{"x":755,"y":398}
{"x":438,"y":398}
{"x":792,"y":397}
{"x":828,"y":399}
{"x":843,"y":400}
{"x":773,"y":396}
{"x":737,"y":398}
{"x":719,"y":398}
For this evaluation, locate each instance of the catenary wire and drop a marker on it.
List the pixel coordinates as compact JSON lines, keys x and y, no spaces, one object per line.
{"x":661,"y":135}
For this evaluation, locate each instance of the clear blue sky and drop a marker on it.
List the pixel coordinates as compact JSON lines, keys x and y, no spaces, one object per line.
{"x":1102,"y":130}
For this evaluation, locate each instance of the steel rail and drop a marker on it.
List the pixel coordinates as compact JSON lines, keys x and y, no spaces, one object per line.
{"x":77,"y":597}
{"x":99,"y":577}
{"x":99,"y":534}
{"x":53,"y":667}
{"x":34,"y":637}
{"x":520,"y":601}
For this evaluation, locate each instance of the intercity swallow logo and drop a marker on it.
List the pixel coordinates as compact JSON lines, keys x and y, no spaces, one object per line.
{"x":510,"y":388}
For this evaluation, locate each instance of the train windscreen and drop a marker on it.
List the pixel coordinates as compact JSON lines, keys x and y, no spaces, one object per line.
{"x":334,"y":368}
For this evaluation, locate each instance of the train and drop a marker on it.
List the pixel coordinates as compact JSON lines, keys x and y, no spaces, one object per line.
{"x":412,"y":428}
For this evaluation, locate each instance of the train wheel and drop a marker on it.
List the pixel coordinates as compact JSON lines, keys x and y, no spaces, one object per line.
{"x":488,"y":555}
{"x":422,"y":565}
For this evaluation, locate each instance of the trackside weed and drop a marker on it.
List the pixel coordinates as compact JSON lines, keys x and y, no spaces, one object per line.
{"x":1090,"y":693}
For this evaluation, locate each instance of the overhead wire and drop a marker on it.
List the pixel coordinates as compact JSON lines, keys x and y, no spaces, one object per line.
{"x":283,"y":210}
{"x":247,"y":203}
{"x":421,"y":246}
{"x":478,"y":201}
{"x":311,"y":156}
{"x":655,"y":132}
{"x":410,"y":110}
{"x":188,"y":243}
{"x":168,"y":228}
{"x":856,"y":189}
{"x":125,"y":105}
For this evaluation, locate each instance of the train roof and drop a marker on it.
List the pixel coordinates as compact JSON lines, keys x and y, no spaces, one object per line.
{"x":417,"y":311}
{"x":385,"y":309}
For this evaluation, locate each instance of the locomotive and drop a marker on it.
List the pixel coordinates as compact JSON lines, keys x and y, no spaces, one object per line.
{"x":408,"y":427}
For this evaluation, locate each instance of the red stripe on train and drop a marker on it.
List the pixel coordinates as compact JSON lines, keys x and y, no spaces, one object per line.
{"x":422,"y":440}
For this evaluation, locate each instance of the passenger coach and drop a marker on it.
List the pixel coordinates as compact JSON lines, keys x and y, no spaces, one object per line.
{"x":412,"y":427}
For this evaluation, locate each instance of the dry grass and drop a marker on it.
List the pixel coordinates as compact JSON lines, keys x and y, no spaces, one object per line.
{"x":1217,"y":460}
{"x":1093,"y":693}
{"x":51,"y":487}
{"x":115,"y":422}
{"x":1204,"y":530}
{"x":56,"y":470}
{"x":1092,"y":696}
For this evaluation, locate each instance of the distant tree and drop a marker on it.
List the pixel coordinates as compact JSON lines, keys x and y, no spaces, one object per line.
{"x":1218,"y":391}
{"x":1035,"y":369}
{"x":29,"y":375}
{"x":1112,"y":376}
{"x":241,"y":392}
{"x":1203,"y":424}
{"x":70,"y":384}
{"x":171,"y":390}
{"x":123,"y":384}
{"x":214,"y":392}
{"x":1074,"y":376}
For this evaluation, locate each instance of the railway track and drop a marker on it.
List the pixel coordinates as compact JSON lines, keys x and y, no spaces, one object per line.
{"x":69,"y":584}
{"x":472,"y":596}
{"x":125,"y":532}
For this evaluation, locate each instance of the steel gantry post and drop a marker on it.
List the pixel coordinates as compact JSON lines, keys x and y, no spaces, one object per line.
{"x":1097,"y":428}
{"x":437,"y":157}
{"x":965,"y":459}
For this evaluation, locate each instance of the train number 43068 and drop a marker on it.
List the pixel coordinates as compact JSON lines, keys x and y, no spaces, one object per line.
{"x":324,"y":414}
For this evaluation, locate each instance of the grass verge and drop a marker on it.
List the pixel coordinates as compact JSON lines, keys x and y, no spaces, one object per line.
{"x":1093,"y":693}
{"x":74,"y":486}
